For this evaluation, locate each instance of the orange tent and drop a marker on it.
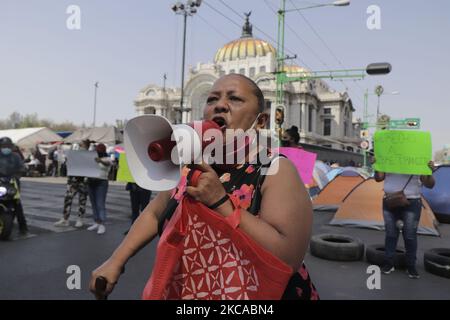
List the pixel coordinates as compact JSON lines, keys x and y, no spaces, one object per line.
{"x":362,"y":207}
{"x":332,"y":195}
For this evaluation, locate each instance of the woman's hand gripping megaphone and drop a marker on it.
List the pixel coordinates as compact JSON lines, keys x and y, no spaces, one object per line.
{"x":204,"y":185}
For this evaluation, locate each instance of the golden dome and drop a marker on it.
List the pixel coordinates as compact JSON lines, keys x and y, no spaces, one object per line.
{"x":296,"y":70}
{"x":245,"y":47}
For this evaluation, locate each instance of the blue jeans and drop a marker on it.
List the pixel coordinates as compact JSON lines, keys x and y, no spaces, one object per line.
{"x":97,"y":194}
{"x":410,"y":216}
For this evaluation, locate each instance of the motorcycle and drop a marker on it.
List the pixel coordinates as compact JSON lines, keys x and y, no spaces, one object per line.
{"x":8,"y":198}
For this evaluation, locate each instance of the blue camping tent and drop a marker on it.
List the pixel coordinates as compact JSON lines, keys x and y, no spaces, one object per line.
{"x":439,"y":196}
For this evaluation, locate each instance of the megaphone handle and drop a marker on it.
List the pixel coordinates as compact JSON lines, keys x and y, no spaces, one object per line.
{"x":194,"y":177}
{"x":100,"y":288}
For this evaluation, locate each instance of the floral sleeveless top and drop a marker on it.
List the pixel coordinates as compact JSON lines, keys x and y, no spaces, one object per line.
{"x":245,"y":182}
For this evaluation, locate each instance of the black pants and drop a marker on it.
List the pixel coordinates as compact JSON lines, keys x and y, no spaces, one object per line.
{"x":20,"y":216}
{"x":139,"y":199}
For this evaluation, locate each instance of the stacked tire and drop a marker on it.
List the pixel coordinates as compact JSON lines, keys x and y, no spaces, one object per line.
{"x":336,"y":247}
{"x":437,"y":262}
{"x":375,"y":255}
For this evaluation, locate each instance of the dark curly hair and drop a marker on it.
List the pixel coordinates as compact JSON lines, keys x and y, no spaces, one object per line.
{"x":293,"y":133}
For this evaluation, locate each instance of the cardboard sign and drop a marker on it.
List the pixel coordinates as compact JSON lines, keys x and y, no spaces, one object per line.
{"x":303,"y":160}
{"x":81,"y":163}
{"x":124,"y":174}
{"x":403,"y":152}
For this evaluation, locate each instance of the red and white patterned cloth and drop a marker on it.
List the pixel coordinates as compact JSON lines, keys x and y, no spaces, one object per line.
{"x":200,"y":256}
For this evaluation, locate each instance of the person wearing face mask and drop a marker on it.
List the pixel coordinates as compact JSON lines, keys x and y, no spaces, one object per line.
{"x":291,"y":138}
{"x":11,"y":165}
{"x":273,"y":211}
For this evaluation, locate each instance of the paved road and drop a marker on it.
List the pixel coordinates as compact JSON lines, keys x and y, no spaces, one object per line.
{"x":35,"y":267}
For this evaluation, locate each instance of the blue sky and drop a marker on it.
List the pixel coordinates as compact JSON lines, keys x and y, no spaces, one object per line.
{"x":125,"y":45}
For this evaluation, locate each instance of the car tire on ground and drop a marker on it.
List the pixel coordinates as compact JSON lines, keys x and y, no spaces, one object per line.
{"x":375,"y":255}
{"x":336,"y":247}
{"x":437,"y":262}
{"x":6,"y":225}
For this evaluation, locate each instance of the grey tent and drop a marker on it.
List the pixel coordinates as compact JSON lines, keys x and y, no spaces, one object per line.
{"x":108,"y":135}
{"x":28,"y":138}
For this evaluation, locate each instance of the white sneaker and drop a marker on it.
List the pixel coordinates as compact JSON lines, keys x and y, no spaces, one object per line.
{"x":62,"y":223}
{"x":101,"y":229}
{"x":79,"y":223}
{"x":93,"y":227}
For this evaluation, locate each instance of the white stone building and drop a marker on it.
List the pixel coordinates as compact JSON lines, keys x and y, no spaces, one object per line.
{"x":323,"y":115}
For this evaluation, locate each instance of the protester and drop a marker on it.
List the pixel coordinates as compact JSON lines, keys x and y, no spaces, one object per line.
{"x":277,"y":216}
{"x":402,"y":216}
{"x":98,"y":188}
{"x":139,"y":198}
{"x":75,"y":185}
{"x":41,"y":158}
{"x":32,"y":163}
{"x":114,"y":163}
{"x":53,"y":165}
{"x":12,"y":165}
{"x":291,"y":138}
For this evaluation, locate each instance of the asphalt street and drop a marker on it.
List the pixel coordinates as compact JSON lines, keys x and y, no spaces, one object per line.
{"x":35,"y":267}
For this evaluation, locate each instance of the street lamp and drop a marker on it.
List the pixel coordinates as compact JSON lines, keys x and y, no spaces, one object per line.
{"x":280,"y":50}
{"x":379,"y":91}
{"x":339,"y":3}
{"x":186,"y":9}
{"x":95,"y":102}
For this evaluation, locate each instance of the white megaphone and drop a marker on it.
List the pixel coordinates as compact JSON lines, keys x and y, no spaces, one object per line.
{"x":156,"y":149}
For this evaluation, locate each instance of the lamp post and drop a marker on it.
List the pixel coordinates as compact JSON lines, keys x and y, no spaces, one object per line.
{"x":186,"y":9}
{"x":95,"y":102}
{"x":379,"y":90}
{"x":280,"y":50}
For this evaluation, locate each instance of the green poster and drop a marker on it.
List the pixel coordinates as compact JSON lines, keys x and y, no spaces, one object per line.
{"x":405,"y":152}
{"x":124,"y":173}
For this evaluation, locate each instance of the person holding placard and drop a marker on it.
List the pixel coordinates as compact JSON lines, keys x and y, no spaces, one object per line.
{"x":98,"y":188}
{"x":402,"y":206}
{"x":75,"y":185}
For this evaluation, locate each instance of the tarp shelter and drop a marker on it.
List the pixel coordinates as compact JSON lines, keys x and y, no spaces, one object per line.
{"x":320,"y":173}
{"x":439,"y":196}
{"x":108,"y":135}
{"x":332,"y":195}
{"x":28,"y":138}
{"x":363,"y":208}
{"x":319,"y":178}
{"x":348,"y":171}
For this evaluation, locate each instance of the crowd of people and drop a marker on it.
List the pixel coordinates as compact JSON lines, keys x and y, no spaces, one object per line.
{"x":14,"y":164}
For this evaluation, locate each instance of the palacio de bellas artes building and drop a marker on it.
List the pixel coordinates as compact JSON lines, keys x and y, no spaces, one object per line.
{"x":324,"y":116}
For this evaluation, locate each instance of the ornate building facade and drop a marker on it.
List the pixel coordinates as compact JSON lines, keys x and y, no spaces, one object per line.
{"x":324,"y":116}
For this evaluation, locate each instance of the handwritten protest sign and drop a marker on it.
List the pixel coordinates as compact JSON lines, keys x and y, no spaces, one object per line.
{"x":404,"y":152}
{"x":124,"y":173}
{"x":81,"y":163}
{"x":303,"y":160}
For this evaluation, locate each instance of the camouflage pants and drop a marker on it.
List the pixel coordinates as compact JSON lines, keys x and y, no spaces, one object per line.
{"x":75,"y":186}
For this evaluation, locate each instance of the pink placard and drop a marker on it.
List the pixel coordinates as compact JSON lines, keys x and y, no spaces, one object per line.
{"x":303,"y":160}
